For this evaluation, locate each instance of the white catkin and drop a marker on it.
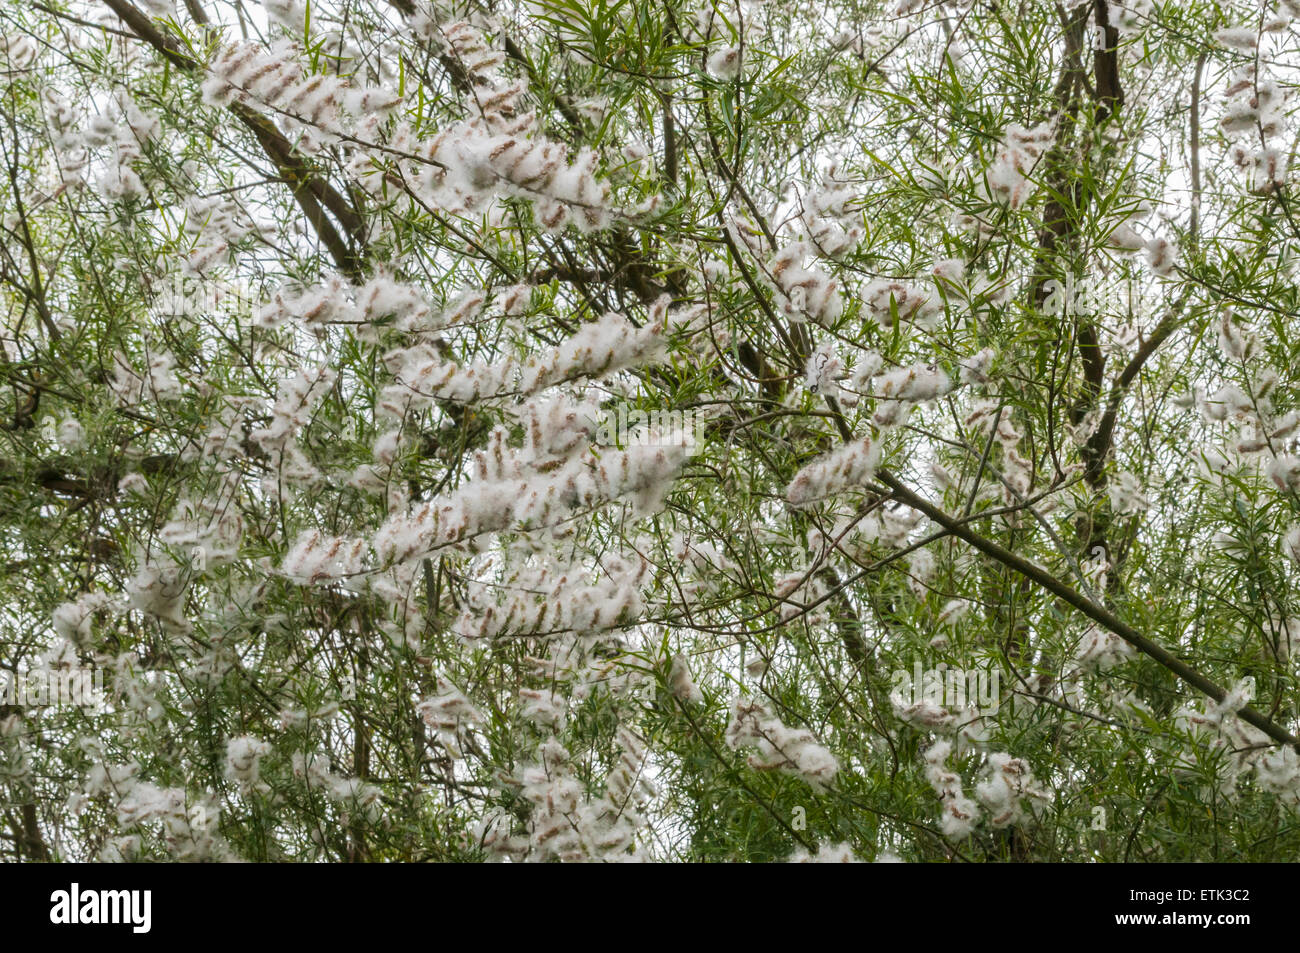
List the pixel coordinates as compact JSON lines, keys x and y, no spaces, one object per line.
{"x":852,"y":465}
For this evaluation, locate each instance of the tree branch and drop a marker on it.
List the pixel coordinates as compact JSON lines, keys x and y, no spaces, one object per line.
{"x":1097,"y":613}
{"x":311,"y":192}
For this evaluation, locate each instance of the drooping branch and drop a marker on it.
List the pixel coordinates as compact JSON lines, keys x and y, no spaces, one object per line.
{"x":1094,"y":611}
{"x":1045,"y":580}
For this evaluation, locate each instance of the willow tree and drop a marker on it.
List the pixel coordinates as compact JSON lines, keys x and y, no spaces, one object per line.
{"x":616,"y":429}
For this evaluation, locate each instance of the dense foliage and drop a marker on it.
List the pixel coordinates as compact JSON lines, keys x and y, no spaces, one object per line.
{"x":624,"y":429}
